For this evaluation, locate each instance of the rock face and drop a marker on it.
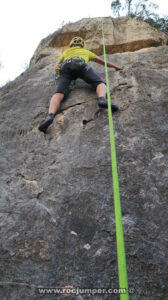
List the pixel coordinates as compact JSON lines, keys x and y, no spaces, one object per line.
{"x":56,"y":207}
{"x":122,"y":34}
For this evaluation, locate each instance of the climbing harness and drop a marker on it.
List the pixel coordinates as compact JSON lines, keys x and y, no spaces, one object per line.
{"x":55,"y":76}
{"x":79,"y":59}
{"x":122,"y":267}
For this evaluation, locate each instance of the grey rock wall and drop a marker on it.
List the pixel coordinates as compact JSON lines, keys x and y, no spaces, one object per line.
{"x":56,"y":202}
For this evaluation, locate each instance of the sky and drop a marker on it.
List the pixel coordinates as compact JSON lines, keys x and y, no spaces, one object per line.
{"x":23,"y":24}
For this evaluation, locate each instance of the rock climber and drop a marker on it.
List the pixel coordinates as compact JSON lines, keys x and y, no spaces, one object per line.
{"x":73,"y":64}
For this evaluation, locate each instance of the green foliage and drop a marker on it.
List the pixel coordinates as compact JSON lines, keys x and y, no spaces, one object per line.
{"x":116,"y":7}
{"x":159,"y":23}
{"x":141,"y":10}
{"x":63,"y":23}
{"x":128,"y":60}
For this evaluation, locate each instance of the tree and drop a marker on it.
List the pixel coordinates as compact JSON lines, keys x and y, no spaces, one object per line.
{"x":160,"y":23}
{"x":116,"y":7}
{"x":128,"y":5}
{"x":142,"y":10}
{"x":134,"y":8}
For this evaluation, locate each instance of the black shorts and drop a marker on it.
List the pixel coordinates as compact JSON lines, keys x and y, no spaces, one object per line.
{"x":73,"y":69}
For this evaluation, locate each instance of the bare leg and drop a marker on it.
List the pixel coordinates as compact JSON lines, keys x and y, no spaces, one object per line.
{"x":55,"y":102}
{"x":101,"y":90}
{"x":54,"y":106}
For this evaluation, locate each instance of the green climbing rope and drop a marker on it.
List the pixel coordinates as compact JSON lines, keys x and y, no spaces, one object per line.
{"x":122,"y":267}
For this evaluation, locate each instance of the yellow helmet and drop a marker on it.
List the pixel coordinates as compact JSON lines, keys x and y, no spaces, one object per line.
{"x":77,"y":41}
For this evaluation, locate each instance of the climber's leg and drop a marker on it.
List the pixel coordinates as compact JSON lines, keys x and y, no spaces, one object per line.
{"x":55,"y":102}
{"x":102,"y":102}
{"x":91,"y":77}
{"x":61,"y":90}
{"x":101,"y":91}
{"x":54,"y":106}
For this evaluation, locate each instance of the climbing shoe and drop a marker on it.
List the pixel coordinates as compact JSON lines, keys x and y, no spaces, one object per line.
{"x":46,"y":123}
{"x":102,"y":102}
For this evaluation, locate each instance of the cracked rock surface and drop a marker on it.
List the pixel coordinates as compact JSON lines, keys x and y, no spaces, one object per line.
{"x":57,"y":220}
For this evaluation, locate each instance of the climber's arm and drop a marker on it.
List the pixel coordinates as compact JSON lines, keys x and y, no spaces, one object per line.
{"x":109,"y":64}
